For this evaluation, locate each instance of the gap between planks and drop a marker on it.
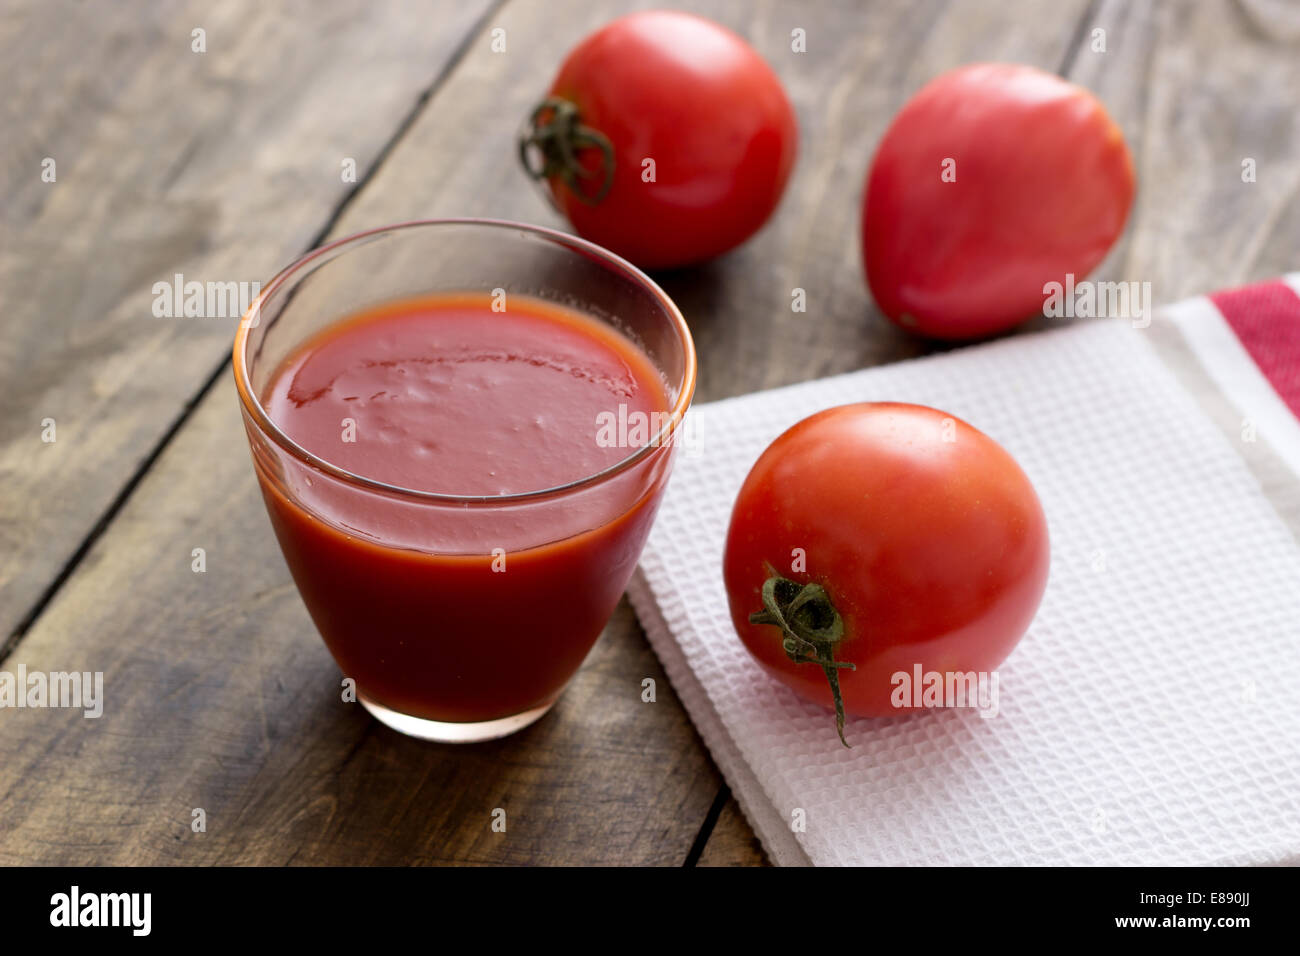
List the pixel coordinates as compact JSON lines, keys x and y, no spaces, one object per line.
{"x":706,"y":828}
{"x":1076,"y":39}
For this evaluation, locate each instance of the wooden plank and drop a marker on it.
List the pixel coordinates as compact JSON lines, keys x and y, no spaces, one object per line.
{"x":218,"y":165}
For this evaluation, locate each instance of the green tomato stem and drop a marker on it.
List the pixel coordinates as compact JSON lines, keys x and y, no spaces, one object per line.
{"x":556,"y":133}
{"x":810,"y":628}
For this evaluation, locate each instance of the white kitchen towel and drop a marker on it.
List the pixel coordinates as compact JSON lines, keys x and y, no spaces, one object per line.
{"x":1150,"y":715}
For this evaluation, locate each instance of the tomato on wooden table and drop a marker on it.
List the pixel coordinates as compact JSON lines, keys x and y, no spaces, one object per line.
{"x":665,"y":138}
{"x":887,"y":535}
{"x":993,"y":180}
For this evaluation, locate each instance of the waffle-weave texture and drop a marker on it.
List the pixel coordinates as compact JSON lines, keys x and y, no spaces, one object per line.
{"x":1149,"y":716}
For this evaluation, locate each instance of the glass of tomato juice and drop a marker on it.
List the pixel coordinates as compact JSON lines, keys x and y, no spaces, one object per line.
{"x":462,"y":429}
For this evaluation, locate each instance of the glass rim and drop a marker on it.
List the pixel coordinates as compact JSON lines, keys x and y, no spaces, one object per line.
{"x":252,"y":405}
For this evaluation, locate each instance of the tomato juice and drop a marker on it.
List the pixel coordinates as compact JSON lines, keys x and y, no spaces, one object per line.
{"x":473,"y":587}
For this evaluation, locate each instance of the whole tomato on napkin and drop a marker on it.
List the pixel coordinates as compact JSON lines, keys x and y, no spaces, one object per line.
{"x":872,"y":539}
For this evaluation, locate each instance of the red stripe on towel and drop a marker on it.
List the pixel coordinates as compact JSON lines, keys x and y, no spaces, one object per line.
{"x":1266,"y":318}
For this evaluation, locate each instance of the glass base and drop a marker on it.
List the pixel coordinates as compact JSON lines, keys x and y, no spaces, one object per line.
{"x":453,"y":733}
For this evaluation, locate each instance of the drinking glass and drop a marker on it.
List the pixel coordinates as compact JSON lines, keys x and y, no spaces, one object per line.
{"x":401,"y":583}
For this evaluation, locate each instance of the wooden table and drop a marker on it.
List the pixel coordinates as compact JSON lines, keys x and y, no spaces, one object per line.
{"x":224,"y":165}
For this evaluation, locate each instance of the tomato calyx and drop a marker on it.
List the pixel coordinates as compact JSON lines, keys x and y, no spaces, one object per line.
{"x":810,"y":628}
{"x":555,"y":132}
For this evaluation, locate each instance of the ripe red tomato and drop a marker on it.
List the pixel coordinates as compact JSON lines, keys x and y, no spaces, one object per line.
{"x":665,"y":138}
{"x":1041,"y":183}
{"x":914,"y":530}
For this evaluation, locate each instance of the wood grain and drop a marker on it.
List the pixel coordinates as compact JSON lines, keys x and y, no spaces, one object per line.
{"x":219,"y":165}
{"x":221,"y":696}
